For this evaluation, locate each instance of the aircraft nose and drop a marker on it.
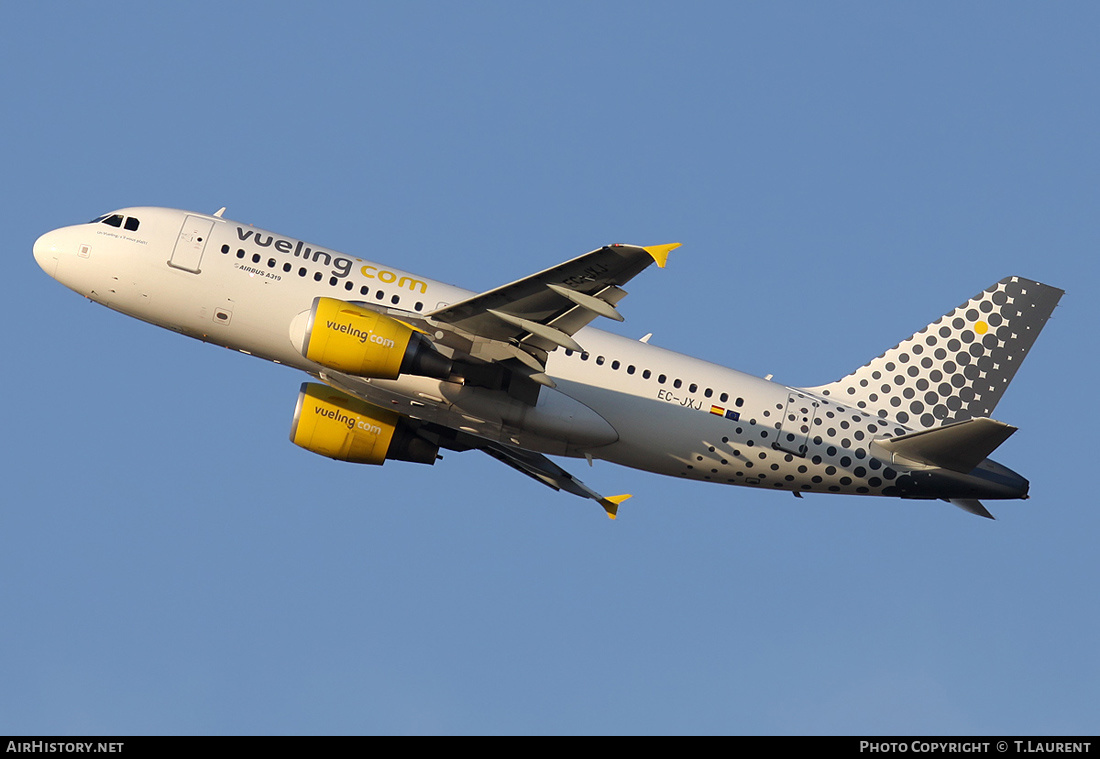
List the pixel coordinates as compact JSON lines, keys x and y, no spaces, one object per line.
{"x":46,"y":252}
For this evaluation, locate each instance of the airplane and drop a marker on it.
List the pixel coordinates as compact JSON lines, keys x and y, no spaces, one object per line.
{"x":403,"y":366}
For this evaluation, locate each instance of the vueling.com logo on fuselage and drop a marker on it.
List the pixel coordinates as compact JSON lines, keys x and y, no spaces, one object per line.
{"x":341,"y":266}
{"x":363,"y":334}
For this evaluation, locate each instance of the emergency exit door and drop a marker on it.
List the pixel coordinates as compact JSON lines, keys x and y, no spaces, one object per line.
{"x":798,"y":419}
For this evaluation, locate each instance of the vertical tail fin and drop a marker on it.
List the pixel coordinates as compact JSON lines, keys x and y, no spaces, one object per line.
{"x":958,"y":367}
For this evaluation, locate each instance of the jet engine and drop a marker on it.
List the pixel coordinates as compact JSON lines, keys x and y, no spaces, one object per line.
{"x":334,"y":424}
{"x":356,"y":340}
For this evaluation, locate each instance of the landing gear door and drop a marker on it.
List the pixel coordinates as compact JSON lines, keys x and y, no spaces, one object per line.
{"x":798,"y":420}
{"x":187,"y":254}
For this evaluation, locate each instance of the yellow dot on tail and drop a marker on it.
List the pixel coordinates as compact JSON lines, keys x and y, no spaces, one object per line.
{"x":981,"y":328}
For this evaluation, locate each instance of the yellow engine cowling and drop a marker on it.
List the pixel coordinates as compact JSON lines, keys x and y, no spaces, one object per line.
{"x":356,"y":340}
{"x":334,"y":424}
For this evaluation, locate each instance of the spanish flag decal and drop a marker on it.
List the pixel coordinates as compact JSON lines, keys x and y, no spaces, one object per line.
{"x":727,"y":413}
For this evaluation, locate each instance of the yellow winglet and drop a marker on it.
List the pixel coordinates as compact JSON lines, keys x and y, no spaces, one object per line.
{"x":660,"y":252}
{"x":611,"y":504}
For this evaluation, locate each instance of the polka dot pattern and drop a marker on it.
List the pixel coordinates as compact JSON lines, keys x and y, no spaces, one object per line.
{"x":830,"y":451}
{"x":956,"y":368}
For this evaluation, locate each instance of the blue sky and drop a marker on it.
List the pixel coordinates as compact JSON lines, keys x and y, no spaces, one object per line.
{"x":840,"y":175}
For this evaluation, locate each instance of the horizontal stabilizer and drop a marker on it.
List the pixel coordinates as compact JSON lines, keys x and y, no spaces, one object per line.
{"x":959,"y":447}
{"x":973,"y":505}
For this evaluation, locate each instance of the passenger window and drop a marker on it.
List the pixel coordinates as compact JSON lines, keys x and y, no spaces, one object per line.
{"x":132,"y":223}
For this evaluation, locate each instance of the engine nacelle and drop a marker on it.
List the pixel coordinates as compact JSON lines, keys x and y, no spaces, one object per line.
{"x":356,"y":340}
{"x":334,"y":424}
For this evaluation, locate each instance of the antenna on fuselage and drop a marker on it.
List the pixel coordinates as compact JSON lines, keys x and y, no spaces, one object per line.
{"x":219,"y":212}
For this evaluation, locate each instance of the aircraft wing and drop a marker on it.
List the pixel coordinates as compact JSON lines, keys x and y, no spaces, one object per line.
{"x":437,"y":431}
{"x":544,"y":470}
{"x":541,"y":312}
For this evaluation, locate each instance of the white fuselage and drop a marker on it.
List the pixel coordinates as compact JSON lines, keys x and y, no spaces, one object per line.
{"x":231,"y":284}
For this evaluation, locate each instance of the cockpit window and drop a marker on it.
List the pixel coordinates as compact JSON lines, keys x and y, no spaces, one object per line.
{"x":117,"y":220}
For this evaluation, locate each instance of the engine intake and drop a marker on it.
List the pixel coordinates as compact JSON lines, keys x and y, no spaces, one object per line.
{"x":334,"y":424}
{"x":356,"y":340}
